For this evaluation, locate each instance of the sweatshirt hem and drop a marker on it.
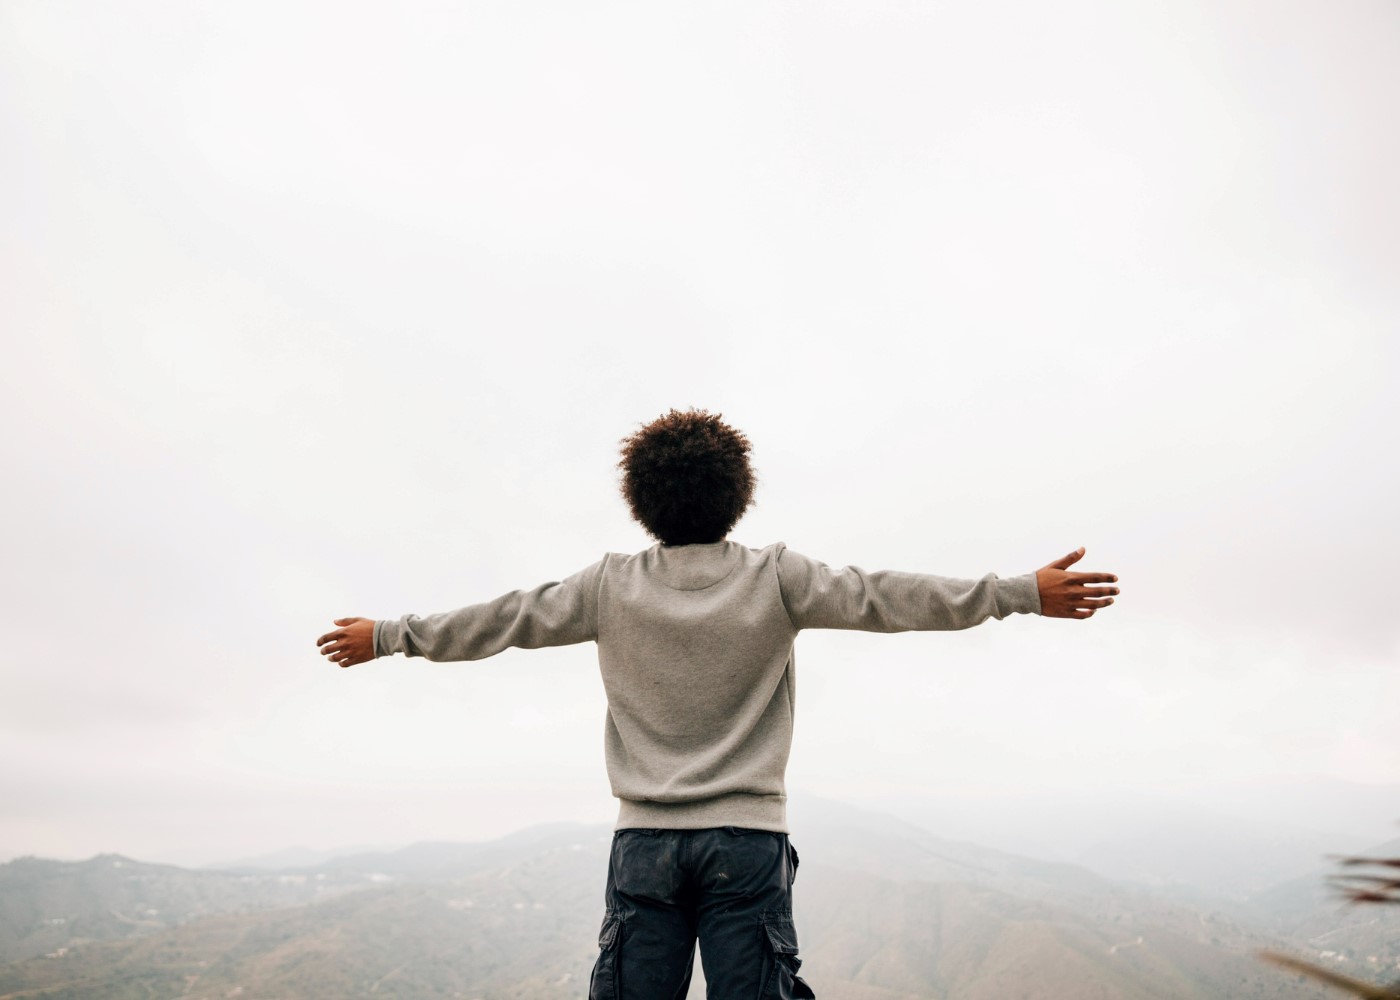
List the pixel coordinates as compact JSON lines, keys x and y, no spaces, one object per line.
{"x":754,"y":812}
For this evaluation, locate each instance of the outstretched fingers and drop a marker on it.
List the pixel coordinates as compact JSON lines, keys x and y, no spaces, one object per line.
{"x":331,"y":637}
{"x":1091,"y":577}
{"x":350,"y":644}
{"x":1068,"y":594}
{"x":342,"y":655}
{"x":1094,"y":588}
{"x":1084,"y":605}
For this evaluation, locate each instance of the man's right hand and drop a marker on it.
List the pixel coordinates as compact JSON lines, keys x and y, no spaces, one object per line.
{"x":350,"y":644}
{"x":1068,"y":595}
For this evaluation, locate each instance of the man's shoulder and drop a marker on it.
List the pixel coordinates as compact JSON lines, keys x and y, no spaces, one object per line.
{"x":770,"y":551}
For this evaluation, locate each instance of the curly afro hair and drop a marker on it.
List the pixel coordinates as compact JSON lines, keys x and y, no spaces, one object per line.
{"x":686,"y":477}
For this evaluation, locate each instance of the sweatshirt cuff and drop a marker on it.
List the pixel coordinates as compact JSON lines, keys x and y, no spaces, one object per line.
{"x":1018,"y":595}
{"x":386,"y":637}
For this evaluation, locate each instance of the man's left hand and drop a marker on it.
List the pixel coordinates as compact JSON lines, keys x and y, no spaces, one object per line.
{"x":350,"y":644}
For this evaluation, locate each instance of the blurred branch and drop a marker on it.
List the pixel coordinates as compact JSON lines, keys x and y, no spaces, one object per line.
{"x":1357,"y":888}
{"x":1368,"y":888}
{"x":1353,"y":986}
{"x":1382,"y":862}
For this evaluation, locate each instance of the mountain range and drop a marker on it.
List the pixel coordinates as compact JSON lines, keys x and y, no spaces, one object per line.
{"x":885,"y":910}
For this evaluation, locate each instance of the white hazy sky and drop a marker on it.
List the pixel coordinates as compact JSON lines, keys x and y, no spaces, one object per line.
{"x":324,"y":309}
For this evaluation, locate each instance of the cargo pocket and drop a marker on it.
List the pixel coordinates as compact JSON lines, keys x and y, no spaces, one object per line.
{"x":783,"y":982}
{"x":603,"y":985}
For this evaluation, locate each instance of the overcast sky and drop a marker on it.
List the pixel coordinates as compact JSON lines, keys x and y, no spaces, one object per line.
{"x":314,"y":310}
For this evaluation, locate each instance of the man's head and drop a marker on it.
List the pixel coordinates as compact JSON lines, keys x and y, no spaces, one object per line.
{"x":686,"y":477}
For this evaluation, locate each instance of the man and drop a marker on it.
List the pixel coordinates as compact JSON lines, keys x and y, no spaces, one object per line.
{"x":695,"y":645}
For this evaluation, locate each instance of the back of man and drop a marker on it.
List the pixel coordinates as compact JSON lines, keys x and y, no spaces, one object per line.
{"x":695,"y":643}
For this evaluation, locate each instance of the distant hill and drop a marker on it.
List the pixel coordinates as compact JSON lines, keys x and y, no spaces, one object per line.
{"x":46,"y":905}
{"x":524,"y":928}
{"x":885,"y":911}
{"x":442,"y":860}
{"x":1228,"y":842}
{"x":291,"y":858}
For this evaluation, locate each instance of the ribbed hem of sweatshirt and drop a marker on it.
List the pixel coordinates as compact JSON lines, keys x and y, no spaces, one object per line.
{"x":755,"y":812}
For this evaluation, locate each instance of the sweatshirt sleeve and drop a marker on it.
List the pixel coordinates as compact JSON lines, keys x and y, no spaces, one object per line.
{"x":817,"y":596}
{"x":552,"y":614}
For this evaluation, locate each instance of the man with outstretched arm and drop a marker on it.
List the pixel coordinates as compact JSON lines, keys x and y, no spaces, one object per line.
{"x":695,"y":641}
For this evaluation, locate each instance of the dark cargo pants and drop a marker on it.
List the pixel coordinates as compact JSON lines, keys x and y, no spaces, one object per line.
{"x":730,"y":887}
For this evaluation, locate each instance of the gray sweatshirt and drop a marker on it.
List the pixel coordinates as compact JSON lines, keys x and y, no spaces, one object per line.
{"x":695,"y":645}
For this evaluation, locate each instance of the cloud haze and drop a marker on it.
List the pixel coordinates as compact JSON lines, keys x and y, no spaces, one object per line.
{"x":312,"y":311}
